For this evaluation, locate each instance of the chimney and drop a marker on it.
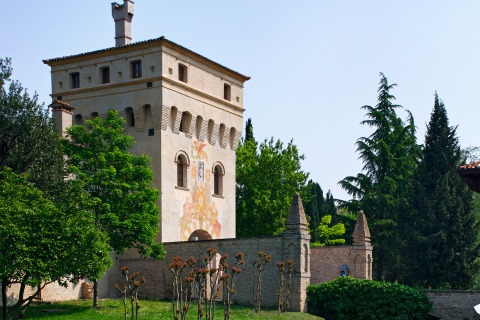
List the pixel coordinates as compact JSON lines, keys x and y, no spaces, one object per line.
{"x":122,"y":15}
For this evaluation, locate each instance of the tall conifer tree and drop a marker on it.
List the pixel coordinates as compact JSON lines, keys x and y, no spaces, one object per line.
{"x":382,"y":189}
{"x":442,"y":246}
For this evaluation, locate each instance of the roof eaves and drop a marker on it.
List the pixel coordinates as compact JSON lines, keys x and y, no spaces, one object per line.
{"x":162,"y":38}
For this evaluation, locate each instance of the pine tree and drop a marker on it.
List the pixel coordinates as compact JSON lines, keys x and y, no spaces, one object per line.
{"x":381,"y":190}
{"x":440,"y":224}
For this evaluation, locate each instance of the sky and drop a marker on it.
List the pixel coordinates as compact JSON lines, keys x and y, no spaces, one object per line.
{"x":313,"y":63}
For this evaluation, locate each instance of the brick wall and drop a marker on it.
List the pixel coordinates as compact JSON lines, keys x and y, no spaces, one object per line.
{"x":159,"y":278}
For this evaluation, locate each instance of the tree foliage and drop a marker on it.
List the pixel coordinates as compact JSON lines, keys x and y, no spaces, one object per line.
{"x":46,"y":225}
{"x":441,"y":223}
{"x":119,"y":183}
{"x":328,"y":234}
{"x":268,"y":174}
{"x":44,"y":242}
{"x":28,"y":139}
{"x":382,"y":188}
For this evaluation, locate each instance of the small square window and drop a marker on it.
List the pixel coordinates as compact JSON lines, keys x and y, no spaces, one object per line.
{"x":136,"y":69}
{"x":105,"y":75}
{"x":75,"y":79}
{"x":151,"y":132}
{"x":60,"y":84}
{"x":149,"y":84}
{"x":59,"y":97}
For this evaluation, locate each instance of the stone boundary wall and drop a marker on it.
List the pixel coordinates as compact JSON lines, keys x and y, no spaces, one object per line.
{"x":453,"y":305}
{"x":159,"y":278}
{"x":326,"y":262}
{"x":51,"y":292}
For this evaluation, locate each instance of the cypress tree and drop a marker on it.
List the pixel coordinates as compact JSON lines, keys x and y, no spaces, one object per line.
{"x":249,"y":131}
{"x":442,"y":244}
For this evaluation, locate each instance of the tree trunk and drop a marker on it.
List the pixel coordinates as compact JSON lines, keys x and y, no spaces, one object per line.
{"x":4,"y":298}
{"x":95,"y":293}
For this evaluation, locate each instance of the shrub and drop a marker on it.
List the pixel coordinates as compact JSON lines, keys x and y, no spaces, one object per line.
{"x":349,"y":298}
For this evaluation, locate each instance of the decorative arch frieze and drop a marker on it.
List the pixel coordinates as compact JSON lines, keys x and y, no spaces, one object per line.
{"x":191,"y":127}
{"x":214,"y":134}
{"x":157,"y":116}
{"x":165,"y":117}
{"x":236,"y":140}
{"x":139,"y":115}
{"x":203,"y":130}
{"x":178,"y":119}
{"x":225,"y":137}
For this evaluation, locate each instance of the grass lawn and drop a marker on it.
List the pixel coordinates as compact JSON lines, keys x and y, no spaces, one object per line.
{"x":113,"y":309}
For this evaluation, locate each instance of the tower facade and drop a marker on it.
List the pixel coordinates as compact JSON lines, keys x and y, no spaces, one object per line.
{"x":185,"y":111}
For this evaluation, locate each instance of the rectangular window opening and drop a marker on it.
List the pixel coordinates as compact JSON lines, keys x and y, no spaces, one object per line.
{"x":105,"y":74}
{"x":151,"y":132}
{"x":182,"y":73}
{"x":75,"y":79}
{"x":136,"y":69}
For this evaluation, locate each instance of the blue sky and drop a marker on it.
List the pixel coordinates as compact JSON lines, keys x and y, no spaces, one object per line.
{"x":313,"y":63}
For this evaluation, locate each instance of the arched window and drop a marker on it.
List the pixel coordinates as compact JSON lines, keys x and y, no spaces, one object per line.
{"x":185,"y":122}
{"x":198,"y":127}
{"x":173,"y":118}
{"x":94,"y":115}
{"x":210,"y":128}
{"x":218,"y":173}
{"x":233,"y":133}
{"x":78,"y":119}
{"x":147,"y":111}
{"x":221,"y":136}
{"x":129,"y":117}
{"x":182,"y":162}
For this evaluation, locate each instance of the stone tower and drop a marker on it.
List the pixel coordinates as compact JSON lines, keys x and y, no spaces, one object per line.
{"x":362,"y":249}
{"x":296,"y":246}
{"x":184,"y":110}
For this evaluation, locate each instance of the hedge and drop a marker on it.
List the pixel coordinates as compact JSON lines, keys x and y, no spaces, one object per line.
{"x":349,"y":298}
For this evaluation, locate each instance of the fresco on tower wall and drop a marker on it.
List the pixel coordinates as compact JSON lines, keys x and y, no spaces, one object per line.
{"x":199,"y":211}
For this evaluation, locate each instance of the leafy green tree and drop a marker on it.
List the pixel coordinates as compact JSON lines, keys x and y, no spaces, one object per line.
{"x":118,"y":182}
{"x":441,"y":224}
{"x":328,"y":234}
{"x":46,"y":224}
{"x":44,"y":242}
{"x":28,"y":138}
{"x":268,"y":174}
{"x":382,"y":190}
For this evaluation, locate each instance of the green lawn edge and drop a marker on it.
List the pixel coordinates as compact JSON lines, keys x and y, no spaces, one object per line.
{"x":113,"y":309}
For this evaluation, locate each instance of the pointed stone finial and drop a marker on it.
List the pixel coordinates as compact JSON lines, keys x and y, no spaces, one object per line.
{"x":296,"y":217}
{"x":361,"y":234}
